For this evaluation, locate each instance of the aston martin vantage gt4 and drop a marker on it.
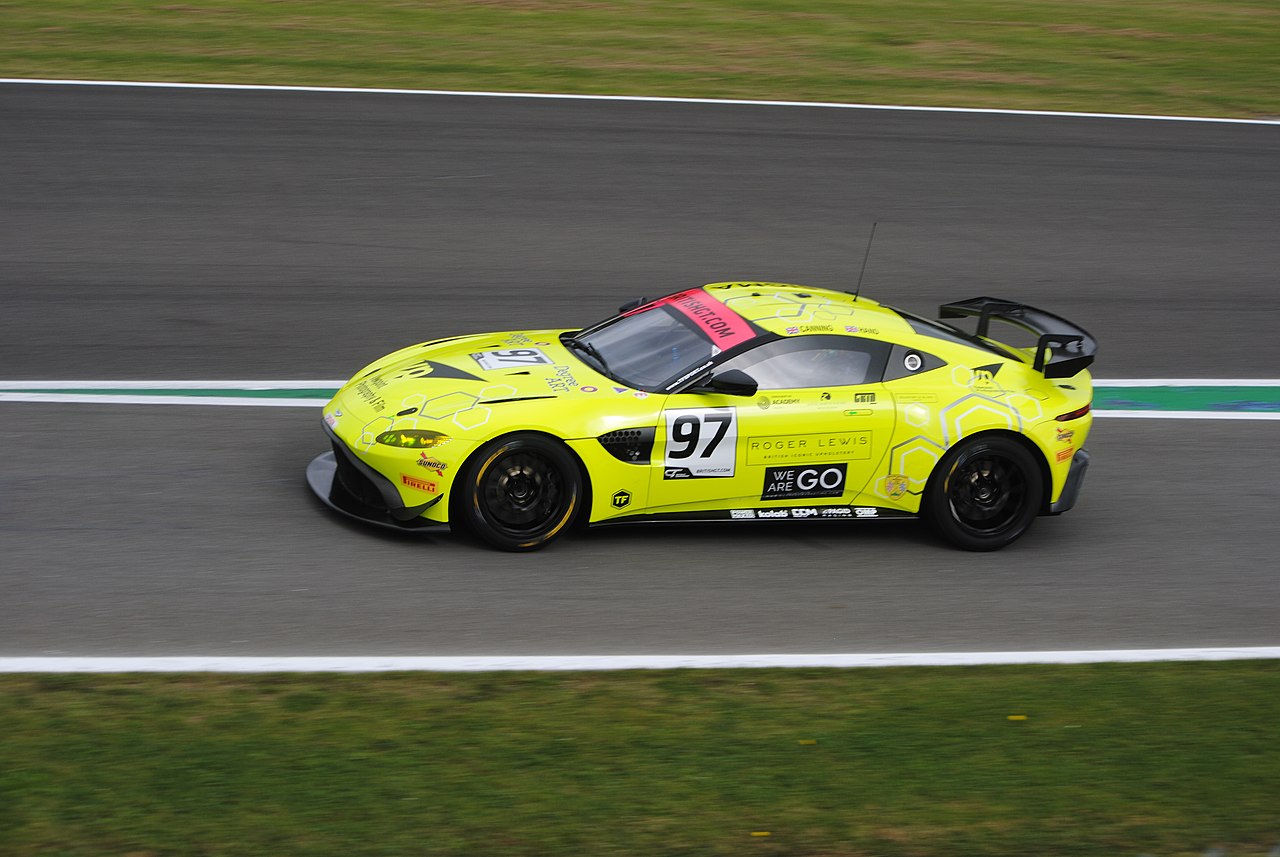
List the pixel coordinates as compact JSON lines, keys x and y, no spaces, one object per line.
{"x":742,"y":402}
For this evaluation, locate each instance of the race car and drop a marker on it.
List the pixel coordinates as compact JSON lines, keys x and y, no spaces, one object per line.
{"x":745,"y":402}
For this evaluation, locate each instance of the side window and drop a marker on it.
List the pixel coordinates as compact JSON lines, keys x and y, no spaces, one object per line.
{"x":812,"y":361}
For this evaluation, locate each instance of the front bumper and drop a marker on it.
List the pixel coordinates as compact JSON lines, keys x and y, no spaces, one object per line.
{"x":348,"y":485}
{"x":1075,"y":478}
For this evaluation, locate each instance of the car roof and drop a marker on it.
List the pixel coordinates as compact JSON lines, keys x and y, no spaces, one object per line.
{"x":789,"y":310}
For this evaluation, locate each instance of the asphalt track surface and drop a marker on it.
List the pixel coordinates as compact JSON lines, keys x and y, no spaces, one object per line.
{"x":241,"y":235}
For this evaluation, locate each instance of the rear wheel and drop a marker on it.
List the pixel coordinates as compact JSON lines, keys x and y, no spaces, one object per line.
{"x":520,"y":492}
{"x":984,"y":494}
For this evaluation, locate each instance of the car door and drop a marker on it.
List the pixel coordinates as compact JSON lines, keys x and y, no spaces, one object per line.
{"x":812,"y":435}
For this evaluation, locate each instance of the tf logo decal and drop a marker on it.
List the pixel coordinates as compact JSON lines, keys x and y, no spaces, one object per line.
{"x":621,"y":499}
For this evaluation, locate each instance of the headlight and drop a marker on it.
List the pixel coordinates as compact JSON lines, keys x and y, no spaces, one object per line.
{"x":412,"y":438}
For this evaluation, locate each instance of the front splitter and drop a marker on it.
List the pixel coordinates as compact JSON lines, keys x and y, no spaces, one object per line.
{"x":322,"y":475}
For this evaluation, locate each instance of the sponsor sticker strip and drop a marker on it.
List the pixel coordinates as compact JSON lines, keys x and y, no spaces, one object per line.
{"x":804,"y":513}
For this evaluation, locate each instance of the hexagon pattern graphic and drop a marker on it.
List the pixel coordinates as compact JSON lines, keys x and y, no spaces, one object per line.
{"x":916,"y":455}
{"x":918,"y":415}
{"x":1027,"y":406}
{"x":973,"y":413}
{"x":373,"y":428}
{"x":793,"y":308}
{"x":498,"y":391}
{"x":447,"y":405}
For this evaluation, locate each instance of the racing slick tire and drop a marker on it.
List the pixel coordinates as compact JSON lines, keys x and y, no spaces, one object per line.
{"x":984,"y":494}
{"x":520,"y":492}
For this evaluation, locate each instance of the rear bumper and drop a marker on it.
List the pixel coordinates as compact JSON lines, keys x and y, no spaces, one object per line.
{"x":1075,"y":478}
{"x":348,"y":485}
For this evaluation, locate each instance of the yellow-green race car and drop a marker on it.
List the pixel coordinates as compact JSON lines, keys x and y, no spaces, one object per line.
{"x":744,"y":402}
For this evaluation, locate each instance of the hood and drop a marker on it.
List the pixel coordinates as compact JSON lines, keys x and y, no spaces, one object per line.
{"x":458,"y":373}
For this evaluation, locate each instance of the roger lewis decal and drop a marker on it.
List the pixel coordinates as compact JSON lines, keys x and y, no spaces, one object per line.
{"x":801,"y":482}
{"x":781,"y":450}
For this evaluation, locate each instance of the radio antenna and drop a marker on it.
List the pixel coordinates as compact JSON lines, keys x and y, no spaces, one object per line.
{"x":865,"y":256}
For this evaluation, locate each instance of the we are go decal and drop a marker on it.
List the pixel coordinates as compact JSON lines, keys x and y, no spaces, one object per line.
{"x":701,"y":443}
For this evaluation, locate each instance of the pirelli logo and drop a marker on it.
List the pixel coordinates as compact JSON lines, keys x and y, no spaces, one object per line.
{"x":418,"y":484}
{"x":809,"y":448}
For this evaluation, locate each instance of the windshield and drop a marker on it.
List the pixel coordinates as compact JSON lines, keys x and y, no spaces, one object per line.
{"x":659,"y":343}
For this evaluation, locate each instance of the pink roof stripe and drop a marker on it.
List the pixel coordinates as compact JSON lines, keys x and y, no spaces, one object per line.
{"x":721,"y":325}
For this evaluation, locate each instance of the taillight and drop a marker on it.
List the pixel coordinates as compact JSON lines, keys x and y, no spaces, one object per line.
{"x":1074,"y":415}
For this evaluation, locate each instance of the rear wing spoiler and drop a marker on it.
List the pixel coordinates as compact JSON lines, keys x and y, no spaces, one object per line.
{"x":1062,"y":350}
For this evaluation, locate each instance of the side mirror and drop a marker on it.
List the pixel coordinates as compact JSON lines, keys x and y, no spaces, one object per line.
{"x":731,"y":382}
{"x":634,"y":303}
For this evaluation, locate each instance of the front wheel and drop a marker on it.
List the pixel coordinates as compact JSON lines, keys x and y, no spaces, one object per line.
{"x":519,"y":492}
{"x":984,"y":494}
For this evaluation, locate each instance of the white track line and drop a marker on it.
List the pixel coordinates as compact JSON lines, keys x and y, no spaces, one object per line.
{"x":329,"y":385}
{"x":1187,"y":415}
{"x":1182,"y":382}
{"x":612,"y":662}
{"x":172,"y":385}
{"x":26,"y":391}
{"x":224,"y":401}
{"x":636,"y":98}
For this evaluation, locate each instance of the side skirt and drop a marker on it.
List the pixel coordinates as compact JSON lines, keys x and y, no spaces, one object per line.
{"x":757,"y":515}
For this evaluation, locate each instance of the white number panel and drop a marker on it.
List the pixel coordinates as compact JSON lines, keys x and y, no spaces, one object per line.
{"x":510,"y":358}
{"x":701,"y":443}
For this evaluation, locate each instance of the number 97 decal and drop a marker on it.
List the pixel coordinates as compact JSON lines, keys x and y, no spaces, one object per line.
{"x":701,"y":442}
{"x":510,"y":357}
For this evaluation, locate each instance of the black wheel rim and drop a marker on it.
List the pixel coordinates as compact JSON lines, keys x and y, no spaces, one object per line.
{"x":523,"y":493}
{"x":987,"y":493}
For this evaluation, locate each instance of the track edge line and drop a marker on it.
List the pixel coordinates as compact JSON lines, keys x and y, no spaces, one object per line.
{"x":369,"y":664}
{"x":651,"y":99}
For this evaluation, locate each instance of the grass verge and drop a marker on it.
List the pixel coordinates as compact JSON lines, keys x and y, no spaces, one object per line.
{"x":1144,"y":56}
{"x":1110,"y":759}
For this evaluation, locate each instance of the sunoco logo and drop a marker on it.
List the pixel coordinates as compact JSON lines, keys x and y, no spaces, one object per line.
{"x":797,"y":483}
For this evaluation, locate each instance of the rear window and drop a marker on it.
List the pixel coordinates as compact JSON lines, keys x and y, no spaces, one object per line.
{"x":947,"y":333}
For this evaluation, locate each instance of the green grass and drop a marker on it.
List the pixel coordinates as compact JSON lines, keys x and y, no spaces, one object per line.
{"x":1162,"y":760}
{"x":1110,"y":760}
{"x":1161,"y":56}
